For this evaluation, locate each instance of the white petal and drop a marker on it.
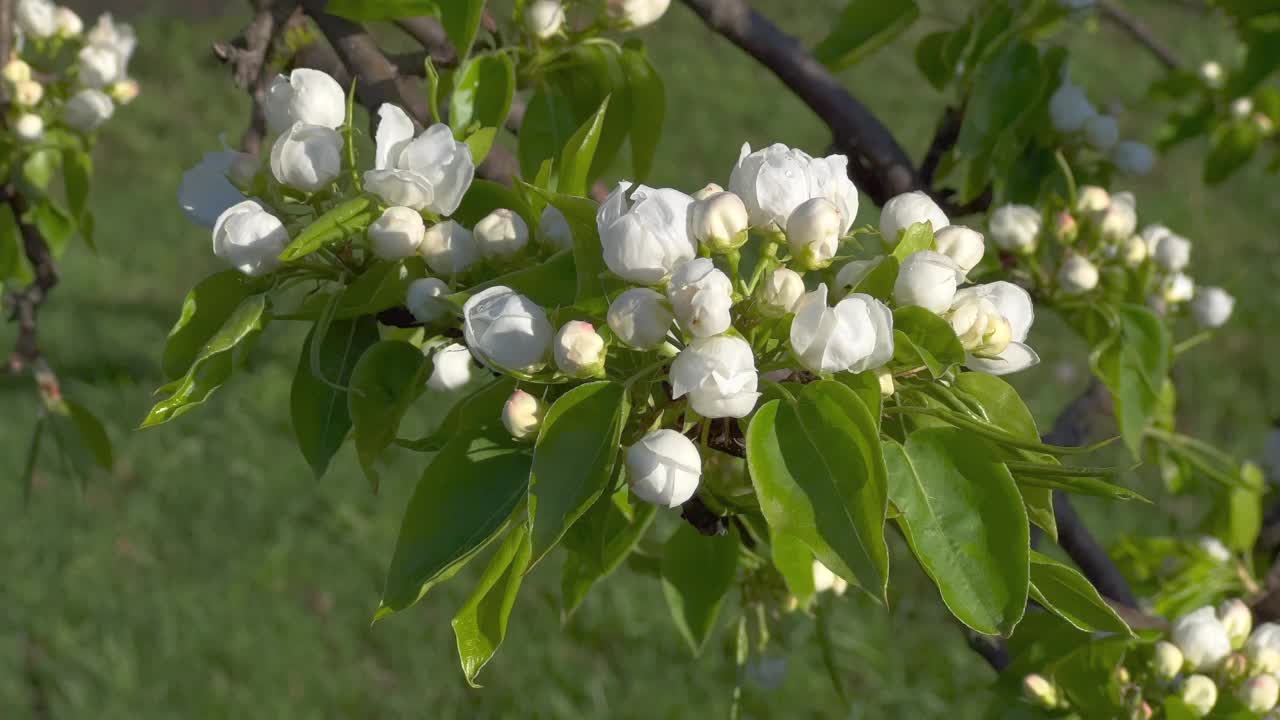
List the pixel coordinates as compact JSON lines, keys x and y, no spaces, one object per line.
{"x":395,"y":132}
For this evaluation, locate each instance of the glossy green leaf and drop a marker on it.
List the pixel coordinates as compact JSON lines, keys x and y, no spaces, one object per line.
{"x":1134,"y":365}
{"x":867,"y":387}
{"x":318,"y":408}
{"x":594,"y":283}
{"x":548,"y":283}
{"x":92,"y":435}
{"x":387,"y":379}
{"x":912,"y":240}
{"x":1065,"y":592}
{"x":648,"y":107}
{"x":587,"y":74}
{"x":964,"y":520}
{"x":548,"y":124}
{"x":54,"y":224}
{"x":461,"y":20}
{"x":930,"y":341}
{"x":794,"y":562}
{"x":344,"y":221}
{"x":998,"y":100}
{"x":77,"y":175}
{"x":697,"y":572}
{"x":931,"y":59}
{"x":481,"y":625}
{"x":578,"y":153}
{"x":862,"y":28}
{"x":573,"y":459}
{"x":40,"y":167}
{"x":880,"y":281}
{"x":204,"y":310}
{"x":482,"y":92}
{"x":598,"y":543}
{"x":819,"y":473}
{"x":480,"y":143}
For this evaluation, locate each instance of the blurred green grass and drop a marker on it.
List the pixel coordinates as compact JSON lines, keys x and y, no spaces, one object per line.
{"x":210,"y":576}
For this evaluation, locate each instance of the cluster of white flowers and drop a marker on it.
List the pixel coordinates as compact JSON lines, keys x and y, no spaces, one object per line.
{"x":1240,"y":109}
{"x":82,"y":99}
{"x":545,"y":19}
{"x":1073,"y":115}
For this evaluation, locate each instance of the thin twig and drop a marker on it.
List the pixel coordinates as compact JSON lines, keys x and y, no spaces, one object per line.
{"x":24,"y":304}
{"x":1140,"y":33}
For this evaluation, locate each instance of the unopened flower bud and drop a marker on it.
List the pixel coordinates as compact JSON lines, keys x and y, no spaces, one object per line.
{"x":826,"y":581}
{"x":1172,"y":253}
{"x":448,"y":248}
{"x":1092,"y":200}
{"x":1015,"y":228}
{"x":1065,"y":228}
{"x":1200,"y":694}
{"x":554,"y":231}
{"x":1260,"y":693}
{"x":249,"y":238}
{"x":1039,"y":691}
{"x":1133,"y":157}
{"x":1265,"y":660}
{"x":1264,"y":640}
{"x":1202,"y":639}
{"x":1214,"y":548}
{"x":855,"y":335}
{"x":1211,"y":74}
{"x":1263,"y":123}
{"x":1102,"y":132}
{"x":1177,"y":288}
{"x":501,"y":234}
{"x":452,"y":368}
{"x":903,"y":211}
{"x":307,"y":157}
{"x":1077,"y":275}
{"x":1242,"y":108}
{"x":397,"y":233}
{"x":29,"y":127}
{"x":1134,"y":251}
{"x":1212,"y":306}
{"x":641,"y":318}
{"x":885,"y":378}
{"x":926,"y":279}
{"x":1119,"y":221}
{"x":1069,"y":108}
{"x":1237,"y":619}
{"x":708,"y":191}
{"x":664,"y":468}
{"x":1234,"y":667}
{"x":719,"y":222}
{"x":644,"y":232}
{"x":579,"y":350}
{"x":522,"y":415}
{"x":28,"y":93}
{"x":702,"y":297}
{"x":964,"y":246}
{"x":780,"y":292}
{"x":1166,"y":660}
{"x":124,"y":91}
{"x":423,"y":299}
{"x":719,"y":376}
{"x":16,"y":71}
{"x":544,"y":18}
{"x":506,"y":330}
{"x":638,"y":13}
{"x":813,"y":233}
{"x":68,"y":22}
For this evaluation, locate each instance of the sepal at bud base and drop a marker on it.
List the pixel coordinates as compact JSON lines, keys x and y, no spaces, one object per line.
{"x":579,"y":350}
{"x":522,"y":415}
{"x":664,"y":468}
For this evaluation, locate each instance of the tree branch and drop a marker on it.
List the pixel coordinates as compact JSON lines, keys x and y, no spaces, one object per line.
{"x":24,"y":304}
{"x":249,"y":56}
{"x":1140,"y":33}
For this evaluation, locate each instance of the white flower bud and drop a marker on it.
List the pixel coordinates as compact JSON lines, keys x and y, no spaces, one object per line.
{"x":1077,"y":275}
{"x":1101,"y":132}
{"x":1238,"y":621}
{"x":99,"y":66}
{"x":1242,"y":108}
{"x":964,"y":246}
{"x":1200,"y":694}
{"x":781,"y":291}
{"x":885,"y":378}
{"x":1177,"y":288}
{"x":307,"y":157}
{"x":16,"y":71}
{"x":701,"y":296}
{"x":120,"y":37}
{"x":638,"y":13}
{"x":1133,"y":157}
{"x":1173,"y":252}
{"x":855,"y":271}
{"x":826,"y":581}
{"x":664,"y":468}
{"x":641,"y":318}
{"x":1202,"y":638}
{"x":1212,"y":306}
{"x":1259,"y":694}
{"x":448,"y":248}
{"x":28,"y":94}
{"x":1211,"y":74}
{"x":907,"y":209}
{"x":452,"y":368}
{"x":68,"y":22}
{"x":36,"y":18}
{"x":1215,"y":549}
{"x":1039,"y":691}
{"x":579,"y":350}
{"x":397,"y":233}
{"x":927,"y":279}
{"x":522,"y":415}
{"x":992,"y":322}
{"x":1092,"y":200}
{"x":772,"y":183}
{"x":1119,"y":221}
{"x":813,"y":233}
{"x":29,"y":127}
{"x":646,"y":237}
{"x":423,"y":299}
{"x":501,"y":234}
{"x":306,"y":96}
{"x":708,"y":191}
{"x":1166,"y":660}
{"x":506,"y":330}
{"x":1015,"y":228}
{"x":544,"y":18}
{"x":1134,"y":251}
{"x":1267,"y":661}
{"x":249,"y":238}
{"x":855,"y":335}
{"x":124,"y":91}
{"x":719,"y":222}
{"x":554,"y":231}
{"x":1263,"y":647}
{"x":1070,"y":109}
{"x":719,"y":376}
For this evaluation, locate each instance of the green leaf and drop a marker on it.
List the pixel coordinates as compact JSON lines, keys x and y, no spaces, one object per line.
{"x":348,"y":219}
{"x":387,"y":379}
{"x":10,"y":245}
{"x":998,"y":102}
{"x":54,"y":224}
{"x":579,"y":151}
{"x":648,"y":108}
{"x":548,"y":125}
{"x":1237,"y":514}
{"x":598,"y":543}
{"x":1066,"y":593}
{"x":1231,"y":146}
{"x":573,"y":459}
{"x":867,"y":387}
{"x":481,"y":624}
{"x":929,"y":341}
{"x":546,"y":283}
{"x":482,"y":92}
{"x":594,"y":283}
{"x":40,"y":167}
{"x":795,"y":563}
{"x":819,"y":472}
{"x":964,"y":520}
{"x":1134,"y":365}
{"x":318,"y":408}
{"x":93,"y":436}
{"x":697,"y":572}
{"x":77,"y":175}
{"x":461,"y":20}
{"x":465,"y":497}
{"x":587,"y":74}
{"x":1175,"y":708}
{"x":914,"y":239}
{"x":480,"y":143}
{"x":864,"y":27}
{"x":213,"y":363}
{"x":205,"y":309}
{"x":373,"y":10}
{"x":931,"y":59}
{"x":880,"y":281}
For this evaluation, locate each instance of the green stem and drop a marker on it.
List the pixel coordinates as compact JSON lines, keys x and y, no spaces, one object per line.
{"x":1191,"y":342}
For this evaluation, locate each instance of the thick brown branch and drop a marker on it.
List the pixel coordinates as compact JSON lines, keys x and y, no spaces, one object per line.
{"x":249,"y":57}
{"x":944,"y":138}
{"x":431,"y":36}
{"x":1140,"y":33}
{"x":24,"y":304}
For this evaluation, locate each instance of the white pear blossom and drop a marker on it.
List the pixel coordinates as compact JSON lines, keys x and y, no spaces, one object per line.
{"x":429,"y":172}
{"x":907,"y":209}
{"x":701,"y":296}
{"x":1152,"y":235}
{"x":68,"y":22}
{"x":780,"y":292}
{"x":1263,"y":646}
{"x":719,"y":376}
{"x":1077,"y":275}
{"x":641,"y":318}
{"x":813,"y":233}
{"x":855,"y":335}
{"x":452,"y":368}
{"x":1259,"y":694}
{"x":307,"y":157}
{"x":1119,"y":221}
{"x":87,"y":109}
{"x":1199,"y":692}
{"x":544,"y":18}
{"x":506,"y":330}
{"x":28,"y":127}
{"x":1070,"y":109}
{"x":1177,"y":288}
{"x":664,"y":468}
{"x":16,"y":71}
{"x":579,"y":350}
{"x":1173,"y":252}
{"x":423,"y":299}
{"x":1133,"y":157}
{"x":1242,"y":108}
{"x":1215,"y":549}
{"x":36,"y":18}
{"x":553,"y":229}
{"x":522,"y":415}
{"x":1212,"y":306}
{"x":646,"y":237}
{"x":501,"y":234}
{"x":719,"y":221}
{"x":1102,"y":132}
{"x":855,"y":271}
{"x":1016,"y":228}
{"x":1237,"y":619}
{"x":397,"y":233}
{"x":1166,"y":660}
{"x":1211,"y":73}
{"x":28,"y":94}
{"x":305,"y":96}
{"x":707,"y":191}
{"x":99,"y":66}
{"x":927,"y":279}
{"x":124,"y":91}
{"x":448,"y":248}
{"x":249,"y":238}
{"x":120,"y":37}
{"x":1134,"y":251}
{"x":992,"y":322}
{"x":1092,"y":200}
{"x":774,"y":181}
{"x":963,"y":245}
{"x":826,"y":581}
{"x":206,"y":192}
{"x":638,"y":13}
{"x":1202,"y":638}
